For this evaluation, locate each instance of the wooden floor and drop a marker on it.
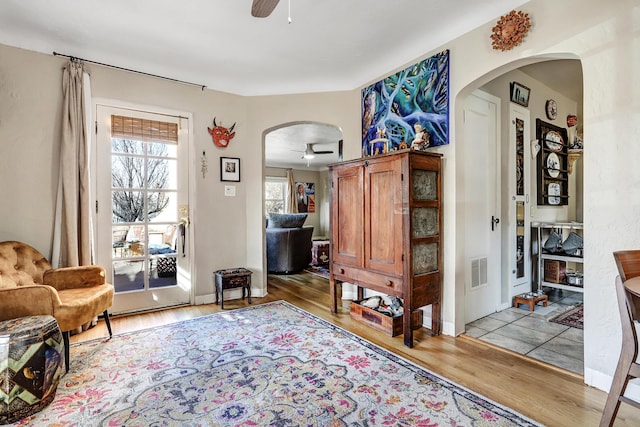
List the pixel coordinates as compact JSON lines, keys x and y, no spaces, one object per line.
{"x":543,"y":393}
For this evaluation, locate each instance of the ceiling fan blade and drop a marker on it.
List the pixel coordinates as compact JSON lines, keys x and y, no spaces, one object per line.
{"x":263,"y":8}
{"x":310,"y":149}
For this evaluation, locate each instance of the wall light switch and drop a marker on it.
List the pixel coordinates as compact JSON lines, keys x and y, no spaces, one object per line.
{"x":230,"y":190}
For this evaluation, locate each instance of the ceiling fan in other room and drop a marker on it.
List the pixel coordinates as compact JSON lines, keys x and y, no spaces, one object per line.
{"x":310,"y":153}
{"x":263,"y":8}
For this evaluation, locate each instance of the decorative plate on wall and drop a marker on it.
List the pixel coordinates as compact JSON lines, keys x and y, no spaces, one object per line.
{"x":553,"y":165}
{"x":552,"y":109}
{"x":553,"y":140}
{"x":554,"y":194}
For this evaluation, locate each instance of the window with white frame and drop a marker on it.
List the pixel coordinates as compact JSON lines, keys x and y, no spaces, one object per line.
{"x":275,"y":194}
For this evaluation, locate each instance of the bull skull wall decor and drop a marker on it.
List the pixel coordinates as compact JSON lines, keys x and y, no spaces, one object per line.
{"x":220,"y":135}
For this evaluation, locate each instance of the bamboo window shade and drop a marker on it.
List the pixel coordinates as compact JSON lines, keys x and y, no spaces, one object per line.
{"x":143,"y":130}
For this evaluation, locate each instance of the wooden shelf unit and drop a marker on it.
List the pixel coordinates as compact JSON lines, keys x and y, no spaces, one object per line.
{"x":542,"y":231}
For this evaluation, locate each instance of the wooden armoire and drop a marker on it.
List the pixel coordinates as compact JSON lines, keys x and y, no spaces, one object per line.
{"x":386,"y":230}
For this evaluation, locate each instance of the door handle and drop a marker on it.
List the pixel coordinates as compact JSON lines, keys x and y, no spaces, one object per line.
{"x":494,"y":222}
{"x":182,"y":227}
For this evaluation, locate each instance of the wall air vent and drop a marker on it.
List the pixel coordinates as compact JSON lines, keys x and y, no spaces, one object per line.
{"x":478,"y":272}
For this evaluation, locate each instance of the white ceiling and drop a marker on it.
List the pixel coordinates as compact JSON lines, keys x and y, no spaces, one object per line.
{"x":563,"y":76}
{"x":331,"y":45}
{"x":284,"y":147}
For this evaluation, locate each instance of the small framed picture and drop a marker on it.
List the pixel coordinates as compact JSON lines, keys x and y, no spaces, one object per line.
{"x":229,"y":169}
{"x":520,"y":94}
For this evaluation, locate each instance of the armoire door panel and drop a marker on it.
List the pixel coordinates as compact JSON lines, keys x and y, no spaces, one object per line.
{"x":383,"y":215}
{"x":347,"y":216}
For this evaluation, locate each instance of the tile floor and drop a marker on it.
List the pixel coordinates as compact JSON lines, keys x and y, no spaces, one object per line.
{"x":531,"y":334}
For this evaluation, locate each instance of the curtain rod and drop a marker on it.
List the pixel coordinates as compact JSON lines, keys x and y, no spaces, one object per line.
{"x":75,"y":58}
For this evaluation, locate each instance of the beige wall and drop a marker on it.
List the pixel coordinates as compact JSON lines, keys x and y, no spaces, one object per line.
{"x":30,"y":117}
{"x":226,"y":230}
{"x":603,"y":35}
{"x":341,"y":109}
{"x":218,"y":230}
{"x":30,"y":137}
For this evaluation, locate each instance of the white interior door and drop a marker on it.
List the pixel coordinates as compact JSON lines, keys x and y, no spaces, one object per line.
{"x":481,"y":206}
{"x":142,"y":206}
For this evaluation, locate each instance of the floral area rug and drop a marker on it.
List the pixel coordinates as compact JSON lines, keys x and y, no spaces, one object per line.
{"x":265,"y":365}
{"x":573,"y":317}
{"x":318,"y":270}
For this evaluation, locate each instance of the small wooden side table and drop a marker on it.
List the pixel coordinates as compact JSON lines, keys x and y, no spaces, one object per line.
{"x":531,"y":300}
{"x":232,"y":278}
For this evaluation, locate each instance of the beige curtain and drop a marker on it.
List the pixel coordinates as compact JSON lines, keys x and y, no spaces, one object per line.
{"x":72,"y":243}
{"x":291,"y":205}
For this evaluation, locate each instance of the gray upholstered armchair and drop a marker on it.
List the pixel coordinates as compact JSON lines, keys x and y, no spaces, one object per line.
{"x":288,"y":243}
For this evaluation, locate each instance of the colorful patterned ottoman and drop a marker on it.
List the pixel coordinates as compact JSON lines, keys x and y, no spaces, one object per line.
{"x":31,"y":363}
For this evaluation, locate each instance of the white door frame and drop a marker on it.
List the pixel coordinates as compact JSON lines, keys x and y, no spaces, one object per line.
{"x":186,"y":272}
{"x":523,"y":284}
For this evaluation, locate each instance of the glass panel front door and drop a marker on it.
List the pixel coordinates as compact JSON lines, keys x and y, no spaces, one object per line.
{"x":145,"y":214}
{"x":145,"y":188}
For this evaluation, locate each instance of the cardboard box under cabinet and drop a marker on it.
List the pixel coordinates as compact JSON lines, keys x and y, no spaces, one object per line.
{"x":387,"y":324}
{"x":555,"y":271}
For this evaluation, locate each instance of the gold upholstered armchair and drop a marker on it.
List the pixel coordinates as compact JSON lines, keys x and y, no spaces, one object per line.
{"x":74,"y":296}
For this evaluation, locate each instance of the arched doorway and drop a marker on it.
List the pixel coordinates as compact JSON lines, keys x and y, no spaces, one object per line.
{"x":561,"y":81}
{"x":296,"y":155}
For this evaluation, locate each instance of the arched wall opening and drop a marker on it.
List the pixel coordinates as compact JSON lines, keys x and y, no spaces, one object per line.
{"x":286,"y":148}
{"x":496,"y":82}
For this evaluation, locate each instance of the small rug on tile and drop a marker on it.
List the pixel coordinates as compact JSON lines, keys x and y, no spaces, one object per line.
{"x":265,"y":365}
{"x":573,"y":317}
{"x":543,"y":311}
{"x":318,"y":270}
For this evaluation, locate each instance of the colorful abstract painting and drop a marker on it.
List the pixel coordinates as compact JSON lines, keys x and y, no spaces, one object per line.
{"x":417,"y":95}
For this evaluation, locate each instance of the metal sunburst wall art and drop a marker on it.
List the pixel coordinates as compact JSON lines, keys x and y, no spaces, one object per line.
{"x":510,"y":30}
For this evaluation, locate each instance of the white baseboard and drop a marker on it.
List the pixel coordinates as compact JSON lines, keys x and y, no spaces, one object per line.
{"x":447,"y":327}
{"x":597,"y":379}
{"x":205,"y":299}
{"x":505,"y":306}
{"x":229,"y":294}
{"x":603,"y":382}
